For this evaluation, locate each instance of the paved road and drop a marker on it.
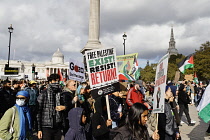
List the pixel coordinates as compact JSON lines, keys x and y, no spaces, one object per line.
{"x":197,"y":132}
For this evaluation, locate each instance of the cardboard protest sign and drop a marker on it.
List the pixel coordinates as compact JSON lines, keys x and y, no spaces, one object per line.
{"x":76,"y":70}
{"x":102,"y":71}
{"x":160,"y":85}
{"x":128,"y":67}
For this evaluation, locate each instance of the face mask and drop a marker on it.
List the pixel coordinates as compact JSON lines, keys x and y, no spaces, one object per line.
{"x":20,"y":102}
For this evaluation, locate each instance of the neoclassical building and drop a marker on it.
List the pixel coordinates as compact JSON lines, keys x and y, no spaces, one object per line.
{"x":43,"y":69}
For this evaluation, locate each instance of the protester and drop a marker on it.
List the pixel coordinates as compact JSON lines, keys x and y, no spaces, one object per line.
{"x":134,"y":95}
{"x":49,"y":111}
{"x":77,"y":120}
{"x":100,"y":121}
{"x":183,"y":101}
{"x":135,"y":127}
{"x":115,"y":108}
{"x":22,"y":119}
{"x":7,"y":97}
{"x":69,"y":100}
{"x":167,"y":128}
{"x":33,"y":102}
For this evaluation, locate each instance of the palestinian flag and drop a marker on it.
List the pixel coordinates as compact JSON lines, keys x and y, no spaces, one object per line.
{"x":195,"y":78}
{"x":61,"y":77}
{"x":186,"y":63}
{"x":204,"y":106}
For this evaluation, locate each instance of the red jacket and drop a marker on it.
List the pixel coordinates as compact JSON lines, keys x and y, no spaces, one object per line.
{"x":134,"y":96}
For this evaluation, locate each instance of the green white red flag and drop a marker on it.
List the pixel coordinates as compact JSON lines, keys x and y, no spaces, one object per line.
{"x":186,"y":63}
{"x":204,"y":105}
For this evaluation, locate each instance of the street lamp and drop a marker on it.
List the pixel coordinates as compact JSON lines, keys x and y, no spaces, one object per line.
{"x":10,"y":32}
{"x":124,"y":38}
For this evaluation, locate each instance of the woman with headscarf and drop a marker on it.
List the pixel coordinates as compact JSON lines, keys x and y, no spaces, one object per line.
{"x":22,"y":119}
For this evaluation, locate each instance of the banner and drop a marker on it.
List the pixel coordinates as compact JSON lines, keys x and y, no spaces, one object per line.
{"x":76,"y":70}
{"x":160,"y":85}
{"x":102,"y":71}
{"x":128,"y":67}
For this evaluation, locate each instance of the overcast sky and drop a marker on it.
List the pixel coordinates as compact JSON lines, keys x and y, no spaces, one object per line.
{"x":43,"y":26}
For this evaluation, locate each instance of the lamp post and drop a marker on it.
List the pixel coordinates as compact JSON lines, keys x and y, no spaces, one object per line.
{"x":124,"y":38}
{"x":10,"y":32}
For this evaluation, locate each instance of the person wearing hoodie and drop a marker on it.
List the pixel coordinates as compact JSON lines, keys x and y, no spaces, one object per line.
{"x":77,"y":120}
{"x":100,"y":121}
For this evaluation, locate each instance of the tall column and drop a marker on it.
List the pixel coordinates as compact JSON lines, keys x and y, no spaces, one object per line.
{"x":94,"y":27}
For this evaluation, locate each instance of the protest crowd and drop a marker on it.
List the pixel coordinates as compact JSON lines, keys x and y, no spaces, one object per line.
{"x":53,"y":110}
{"x":101,"y":106}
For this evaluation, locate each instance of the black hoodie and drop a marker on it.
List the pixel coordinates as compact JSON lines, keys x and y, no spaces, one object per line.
{"x":98,"y":119}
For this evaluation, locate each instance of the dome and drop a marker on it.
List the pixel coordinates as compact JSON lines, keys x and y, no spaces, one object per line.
{"x":58,"y":57}
{"x":58,"y":54}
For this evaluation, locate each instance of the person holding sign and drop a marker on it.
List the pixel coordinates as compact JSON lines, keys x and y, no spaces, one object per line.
{"x":135,"y":126}
{"x":100,"y":123}
{"x":167,"y":128}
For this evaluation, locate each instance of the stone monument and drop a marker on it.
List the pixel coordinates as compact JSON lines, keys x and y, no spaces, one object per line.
{"x":94,"y":27}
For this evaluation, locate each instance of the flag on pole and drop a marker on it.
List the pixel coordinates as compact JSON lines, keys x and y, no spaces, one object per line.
{"x":204,"y":106}
{"x":186,"y":63}
{"x":195,"y":78}
{"x":61,"y":77}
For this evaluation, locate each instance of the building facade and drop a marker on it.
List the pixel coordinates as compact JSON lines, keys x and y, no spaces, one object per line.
{"x":42,"y":69}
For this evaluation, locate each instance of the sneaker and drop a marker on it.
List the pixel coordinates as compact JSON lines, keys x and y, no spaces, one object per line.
{"x":191,"y":124}
{"x":192,"y":121}
{"x":181,"y":122}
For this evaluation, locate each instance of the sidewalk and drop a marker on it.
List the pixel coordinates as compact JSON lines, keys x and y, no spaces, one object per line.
{"x":196,"y":132}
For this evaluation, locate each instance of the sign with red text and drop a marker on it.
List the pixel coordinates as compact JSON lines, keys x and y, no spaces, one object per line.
{"x":102,"y":71}
{"x":160,"y":85}
{"x":76,"y":70}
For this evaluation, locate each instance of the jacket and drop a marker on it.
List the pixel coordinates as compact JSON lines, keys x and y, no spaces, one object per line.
{"x":123,"y":133}
{"x":76,"y":130}
{"x":7,"y":100}
{"x":167,"y":127}
{"x":134,"y":96}
{"x":5,"y":124}
{"x":43,"y":116}
{"x":183,"y":98}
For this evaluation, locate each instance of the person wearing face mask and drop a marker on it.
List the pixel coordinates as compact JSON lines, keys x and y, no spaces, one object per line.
{"x":134,"y":95}
{"x":49,"y":116}
{"x":7,"y":97}
{"x":22,"y":119}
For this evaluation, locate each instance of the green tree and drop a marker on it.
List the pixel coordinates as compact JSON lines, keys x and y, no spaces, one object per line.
{"x":202,"y":62}
{"x":148,"y":73}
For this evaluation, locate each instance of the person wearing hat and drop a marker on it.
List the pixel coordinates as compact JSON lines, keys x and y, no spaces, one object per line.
{"x":33,"y":102}
{"x":21,"y":123}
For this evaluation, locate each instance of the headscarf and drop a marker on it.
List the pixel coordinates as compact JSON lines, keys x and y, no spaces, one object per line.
{"x":23,"y":119}
{"x":80,"y":96}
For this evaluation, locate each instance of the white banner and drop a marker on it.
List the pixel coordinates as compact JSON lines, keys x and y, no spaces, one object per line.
{"x":76,"y":70}
{"x":160,"y":85}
